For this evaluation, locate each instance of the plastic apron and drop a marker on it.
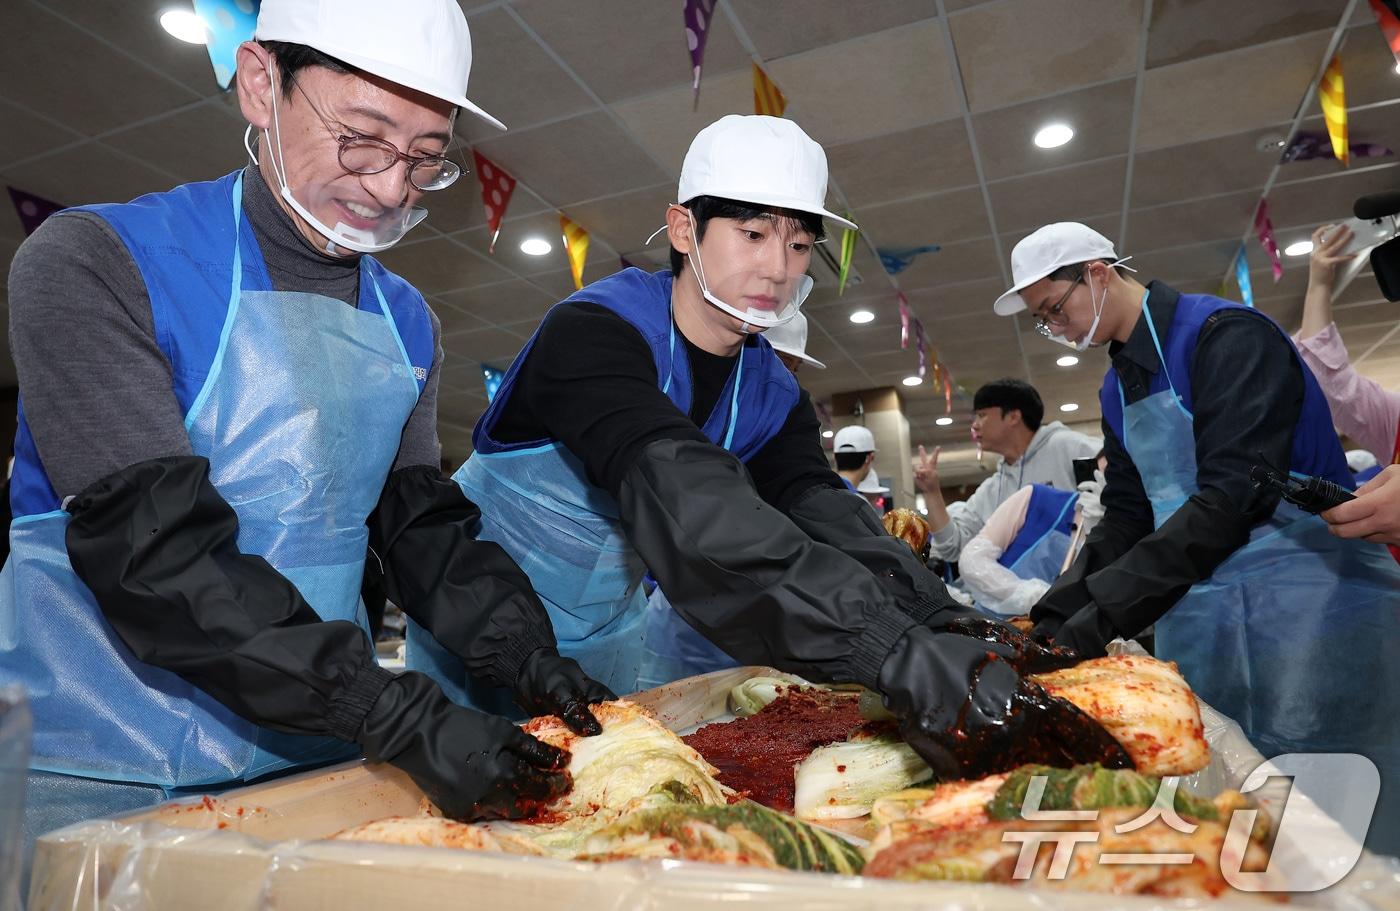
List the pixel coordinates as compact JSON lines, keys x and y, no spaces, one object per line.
{"x":1046,"y":554}
{"x":674,"y":649}
{"x":300,"y":418}
{"x":1293,"y":636}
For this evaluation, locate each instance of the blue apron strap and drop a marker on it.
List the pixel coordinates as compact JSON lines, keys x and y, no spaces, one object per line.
{"x":734,"y":400}
{"x":1156,"y":343}
{"x":235,"y":292}
{"x":388,"y":317}
{"x":671,"y":359}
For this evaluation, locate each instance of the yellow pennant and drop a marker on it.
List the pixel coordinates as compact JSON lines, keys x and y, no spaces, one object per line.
{"x":767,"y":97}
{"x":576,"y":245}
{"x":1334,"y":109}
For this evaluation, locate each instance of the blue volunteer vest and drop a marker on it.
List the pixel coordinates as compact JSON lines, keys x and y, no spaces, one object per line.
{"x":1039,"y":548}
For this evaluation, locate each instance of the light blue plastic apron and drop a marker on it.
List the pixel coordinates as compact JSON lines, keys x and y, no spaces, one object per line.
{"x":1296,"y":635}
{"x":1043,"y":559}
{"x":300,"y":418}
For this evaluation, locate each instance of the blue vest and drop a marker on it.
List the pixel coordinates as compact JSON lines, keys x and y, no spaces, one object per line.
{"x":1050,"y":512}
{"x":1316,"y":450}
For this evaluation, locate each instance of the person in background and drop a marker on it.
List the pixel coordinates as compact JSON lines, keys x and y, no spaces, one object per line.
{"x":224,"y":401}
{"x":854,"y":450}
{"x":789,"y":341}
{"x":1007,"y":416}
{"x":1361,"y":408}
{"x":1270,"y":618}
{"x":1019,"y":553}
{"x":873,"y":491}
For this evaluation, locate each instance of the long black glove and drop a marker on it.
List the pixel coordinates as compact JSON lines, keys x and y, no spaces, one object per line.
{"x":964,"y":708}
{"x":472,"y":596}
{"x":745,"y":576}
{"x":471,"y":765}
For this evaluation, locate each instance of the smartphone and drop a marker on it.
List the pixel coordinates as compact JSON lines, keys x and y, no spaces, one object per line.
{"x":1084,"y":470}
{"x":1366,"y":234}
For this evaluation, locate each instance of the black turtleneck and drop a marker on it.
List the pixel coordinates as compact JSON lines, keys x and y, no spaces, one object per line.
{"x":97,"y":389}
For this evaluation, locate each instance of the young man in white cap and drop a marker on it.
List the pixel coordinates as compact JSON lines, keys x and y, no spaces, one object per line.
{"x":854,"y":450}
{"x":648,"y":425}
{"x":224,"y":401}
{"x":1270,"y":617}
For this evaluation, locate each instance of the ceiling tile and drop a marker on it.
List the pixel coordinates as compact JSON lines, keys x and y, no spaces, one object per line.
{"x":1177,"y":34}
{"x":1368,"y":66}
{"x":108,"y":90}
{"x":515,"y":79}
{"x":1177,"y":266}
{"x":1328,"y":199}
{"x":1071,"y":194}
{"x":133,"y":27}
{"x":440,"y":265}
{"x":87,"y":173}
{"x":26,"y":135}
{"x":914,"y":162}
{"x":573,"y":160}
{"x":1022,"y":49}
{"x":198,"y":144}
{"x":460,"y":206}
{"x":494,"y":346}
{"x":1220,"y":217}
{"x":870,"y":85}
{"x":453,"y":319}
{"x":782,"y":27}
{"x":627,"y":219}
{"x":1209,"y":166}
{"x":1100,"y":116}
{"x":939,"y":219}
{"x":502,"y":303}
{"x":665,"y":123}
{"x":545,"y":225}
{"x":951,"y":301}
{"x":650,"y":52}
{"x":1227,"y":93}
{"x":955,"y":263}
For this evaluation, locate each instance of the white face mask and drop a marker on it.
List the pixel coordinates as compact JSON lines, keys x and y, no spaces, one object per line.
{"x":376,"y":231}
{"x":1087,"y":341}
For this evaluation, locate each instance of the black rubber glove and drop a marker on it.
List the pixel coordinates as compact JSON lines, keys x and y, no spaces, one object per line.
{"x":1087,"y":633}
{"x":1023,"y":652}
{"x":968,"y":713}
{"x":471,"y":765}
{"x":550,"y":684}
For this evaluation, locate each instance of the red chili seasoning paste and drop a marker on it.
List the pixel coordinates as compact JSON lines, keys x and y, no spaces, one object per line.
{"x":757,"y":754}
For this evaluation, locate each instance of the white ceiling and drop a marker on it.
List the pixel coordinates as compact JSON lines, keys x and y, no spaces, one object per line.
{"x":926,"y":109}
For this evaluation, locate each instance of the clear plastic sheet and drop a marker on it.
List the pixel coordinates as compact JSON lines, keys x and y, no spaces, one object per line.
{"x":16,"y":728}
{"x":258,"y":848}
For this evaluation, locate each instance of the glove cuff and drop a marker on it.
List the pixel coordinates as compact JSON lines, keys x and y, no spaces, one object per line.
{"x":350,"y":706}
{"x":883,"y":631}
{"x":510,"y":660}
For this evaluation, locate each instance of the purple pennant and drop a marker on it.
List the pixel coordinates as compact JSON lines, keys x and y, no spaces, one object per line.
{"x":1264,"y":227}
{"x":903,"y":320}
{"x":1307,"y":146}
{"x":922,"y":339}
{"x":698,"y":15}
{"x":32,"y":209}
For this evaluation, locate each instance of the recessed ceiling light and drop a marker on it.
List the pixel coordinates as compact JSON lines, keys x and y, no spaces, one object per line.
{"x":1301,"y":248}
{"x":1054,"y":135}
{"x":1069,"y":406}
{"x":1397,"y":69}
{"x":828,"y":434}
{"x":862,"y":316}
{"x":1068,"y":360}
{"x":535,"y":246}
{"x":943,"y":422}
{"x":912,"y":380}
{"x":184,"y":25}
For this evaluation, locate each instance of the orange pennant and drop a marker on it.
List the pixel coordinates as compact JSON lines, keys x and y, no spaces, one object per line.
{"x":1332,"y":95}
{"x":767,"y":97}
{"x":576,"y":245}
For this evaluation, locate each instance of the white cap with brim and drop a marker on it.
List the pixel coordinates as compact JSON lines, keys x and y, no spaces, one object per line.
{"x":854,"y":438}
{"x":871,"y":483}
{"x":790,"y":338}
{"x":1065,"y":243}
{"x":764,"y":161}
{"x":424,"y":45}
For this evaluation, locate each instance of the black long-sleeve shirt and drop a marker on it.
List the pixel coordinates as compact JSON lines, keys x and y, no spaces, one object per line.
{"x":590,"y":382}
{"x":1247,"y":394}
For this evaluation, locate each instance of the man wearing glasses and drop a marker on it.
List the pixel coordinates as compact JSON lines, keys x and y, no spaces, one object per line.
{"x":1270,"y":618}
{"x":224,"y":401}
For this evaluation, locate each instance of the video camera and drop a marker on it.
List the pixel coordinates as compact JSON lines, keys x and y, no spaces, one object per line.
{"x":1380,"y":212}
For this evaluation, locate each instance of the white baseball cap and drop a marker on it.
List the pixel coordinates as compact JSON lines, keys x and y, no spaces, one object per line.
{"x":871,"y":483}
{"x":1065,"y":243}
{"x":854,"y":439}
{"x":791,"y":338}
{"x":757,"y":159}
{"x":420,"y":44}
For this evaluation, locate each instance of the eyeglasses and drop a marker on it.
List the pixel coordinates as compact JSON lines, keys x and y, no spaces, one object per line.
{"x":360,"y":154}
{"x":1056,"y":313}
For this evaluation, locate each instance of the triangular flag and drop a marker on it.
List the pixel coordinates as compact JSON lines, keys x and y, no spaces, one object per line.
{"x":227,"y":24}
{"x":947,"y":390}
{"x":32,"y":209}
{"x":1265,"y":229}
{"x":898,"y":259}
{"x":1388,"y":15}
{"x":903,"y":319}
{"x":848,"y":252}
{"x":576,"y":245}
{"x":1308,"y":146}
{"x":1332,"y":95}
{"x":1242,"y":277}
{"x":697,"y":14}
{"x":496,"y":187}
{"x":767,"y":97}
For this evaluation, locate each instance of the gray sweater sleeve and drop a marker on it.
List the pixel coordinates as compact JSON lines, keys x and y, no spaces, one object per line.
{"x":97,"y":390}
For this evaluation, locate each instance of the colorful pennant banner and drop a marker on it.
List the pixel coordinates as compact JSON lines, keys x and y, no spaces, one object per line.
{"x":903,"y":320}
{"x":32,"y":209}
{"x":1242,"y":277}
{"x":1332,"y":94}
{"x":698,"y":15}
{"x":1265,"y":229}
{"x":848,"y":252}
{"x":576,"y":245}
{"x":896,"y":260}
{"x":1308,"y":146}
{"x":496,"y":188}
{"x":1388,"y":16}
{"x":767,"y":97}
{"x":227,"y":24}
